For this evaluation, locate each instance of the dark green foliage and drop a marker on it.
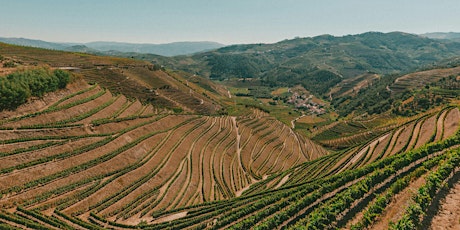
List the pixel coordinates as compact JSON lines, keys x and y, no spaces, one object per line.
{"x":378,"y":97}
{"x":316,"y":81}
{"x":49,"y":220}
{"x":373,"y":99}
{"x":346,"y":56}
{"x":9,"y":64}
{"x":17,"y":87}
{"x":22,"y":221}
{"x":77,"y":221}
{"x":382,"y":200}
{"x":231,"y":66}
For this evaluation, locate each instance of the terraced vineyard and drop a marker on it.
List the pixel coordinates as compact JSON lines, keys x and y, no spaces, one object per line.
{"x":84,"y":157}
{"x":89,"y":151}
{"x":420,"y":79}
{"x":91,"y":159}
{"x":132,"y":78}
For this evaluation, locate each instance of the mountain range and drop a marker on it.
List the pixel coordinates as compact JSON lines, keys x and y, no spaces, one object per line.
{"x":443,"y":35}
{"x":169,"y":49}
{"x":309,"y":133}
{"x":318,"y":63}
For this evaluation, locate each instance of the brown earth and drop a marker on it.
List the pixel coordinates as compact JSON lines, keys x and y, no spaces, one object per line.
{"x":448,"y":214}
{"x":397,"y":206}
{"x":426,"y":132}
{"x":440,"y":125}
{"x":403,"y":138}
{"x":451,"y":123}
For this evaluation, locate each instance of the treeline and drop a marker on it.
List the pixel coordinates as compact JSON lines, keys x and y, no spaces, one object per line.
{"x":17,"y":87}
{"x":236,"y":66}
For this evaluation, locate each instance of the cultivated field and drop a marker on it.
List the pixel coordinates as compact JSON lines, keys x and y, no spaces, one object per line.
{"x":420,"y":79}
{"x":88,"y":159}
{"x":91,"y":156}
{"x":91,"y":153}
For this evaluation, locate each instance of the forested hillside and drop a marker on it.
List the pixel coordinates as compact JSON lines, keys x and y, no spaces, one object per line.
{"x":328,"y":58}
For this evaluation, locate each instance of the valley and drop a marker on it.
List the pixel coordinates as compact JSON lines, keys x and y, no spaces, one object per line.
{"x":274,"y":136}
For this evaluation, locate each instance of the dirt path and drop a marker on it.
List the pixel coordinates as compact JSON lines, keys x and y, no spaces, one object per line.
{"x":238,"y":153}
{"x":397,"y":206}
{"x":240,"y":192}
{"x":171,"y":217}
{"x":355,"y":158}
{"x":403,"y":138}
{"x":293,"y":121}
{"x":415,"y":135}
{"x":448,"y":215}
{"x":440,"y":125}
{"x":283,"y":181}
{"x":238,"y":138}
{"x":427,"y":131}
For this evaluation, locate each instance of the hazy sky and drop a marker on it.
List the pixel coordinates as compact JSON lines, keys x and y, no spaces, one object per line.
{"x":228,"y":22}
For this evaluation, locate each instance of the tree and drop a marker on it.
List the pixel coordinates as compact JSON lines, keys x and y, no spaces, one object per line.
{"x":9,"y":64}
{"x":17,"y":87}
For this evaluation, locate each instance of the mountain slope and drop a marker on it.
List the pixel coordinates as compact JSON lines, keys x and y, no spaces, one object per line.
{"x":94,"y":151}
{"x":110,"y":162}
{"x":325,"y":59}
{"x":137,"y":79}
{"x":169,"y":49}
{"x":33,"y":43}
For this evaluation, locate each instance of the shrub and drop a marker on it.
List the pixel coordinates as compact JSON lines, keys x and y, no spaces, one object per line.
{"x":17,"y":87}
{"x":9,"y":64}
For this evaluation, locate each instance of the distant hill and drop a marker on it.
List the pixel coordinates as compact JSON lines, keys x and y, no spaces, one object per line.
{"x":318,"y":63}
{"x":33,"y":43}
{"x":131,"y":144}
{"x":81,"y":49}
{"x":169,"y":49}
{"x":442,"y":35}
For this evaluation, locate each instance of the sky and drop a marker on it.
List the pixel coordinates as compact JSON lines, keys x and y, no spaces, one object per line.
{"x":223,"y":21}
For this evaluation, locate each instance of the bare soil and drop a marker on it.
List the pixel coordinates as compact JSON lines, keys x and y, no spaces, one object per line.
{"x":133,"y":109}
{"x":426,"y":131}
{"x":403,"y":138}
{"x":107,"y":112}
{"x":81,"y":96}
{"x":383,"y":142}
{"x":397,"y":206}
{"x":415,"y":134}
{"x":393,"y":140}
{"x":448,"y":214}
{"x":125,"y":180}
{"x":451,"y":123}
{"x":440,"y":125}
{"x":17,"y":159}
{"x":63,"y":115}
{"x":13,"y":146}
{"x":171,"y":217}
